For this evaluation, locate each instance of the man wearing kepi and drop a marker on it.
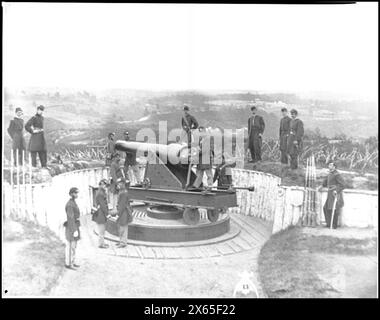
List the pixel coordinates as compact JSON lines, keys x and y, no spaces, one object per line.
{"x":256,"y":126}
{"x":294,"y":141}
{"x":15,"y":130}
{"x":130,"y":162}
{"x":101,"y":215}
{"x":37,"y":143}
{"x":72,"y":232}
{"x":334,"y":202}
{"x":284,"y":133}
{"x":124,"y":212}
{"x":188,"y":123}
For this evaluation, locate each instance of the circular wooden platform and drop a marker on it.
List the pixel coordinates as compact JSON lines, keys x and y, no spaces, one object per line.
{"x":144,"y":228}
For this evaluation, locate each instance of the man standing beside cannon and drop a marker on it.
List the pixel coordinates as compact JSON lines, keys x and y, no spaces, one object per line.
{"x":130,"y":162}
{"x":256,"y":126}
{"x":37,"y":143}
{"x":15,"y":130}
{"x":284,"y":133}
{"x":294,"y":141}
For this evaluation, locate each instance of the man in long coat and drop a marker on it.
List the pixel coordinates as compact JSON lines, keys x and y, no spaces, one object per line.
{"x":37,"y":143}
{"x":15,"y":130}
{"x":100,"y":217}
{"x":124,"y":211}
{"x":335,"y":184}
{"x":295,"y":137}
{"x":205,"y":159}
{"x":284,"y":133}
{"x":189,"y":123}
{"x":130,"y":162}
{"x":110,"y":148}
{"x":72,"y":232}
{"x":256,"y":127}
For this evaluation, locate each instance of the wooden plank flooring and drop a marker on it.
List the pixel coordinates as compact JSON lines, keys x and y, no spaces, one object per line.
{"x":254,"y":232}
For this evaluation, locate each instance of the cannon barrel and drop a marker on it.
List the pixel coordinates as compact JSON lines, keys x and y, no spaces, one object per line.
{"x":173,"y":153}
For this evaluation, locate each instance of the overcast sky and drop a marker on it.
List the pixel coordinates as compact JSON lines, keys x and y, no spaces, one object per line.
{"x":208,"y":47}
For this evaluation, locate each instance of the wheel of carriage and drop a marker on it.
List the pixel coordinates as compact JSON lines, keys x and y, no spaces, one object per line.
{"x":213,"y":214}
{"x":191,"y":216}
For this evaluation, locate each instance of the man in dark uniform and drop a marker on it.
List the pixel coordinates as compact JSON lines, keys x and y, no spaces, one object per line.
{"x":15,"y":130}
{"x":223,"y":172}
{"x":37,"y":143}
{"x":205,"y":160}
{"x":294,"y":144}
{"x":256,"y":128}
{"x":124,"y":211}
{"x":335,"y":185}
{"x":100,"y":217}
{"x":116,"y":172}
{"x":72,"y":232}
{"x":284,"y":133}
{"x":110,"y":148}
{"x":130,"y":162}
{"x":188,"y":123}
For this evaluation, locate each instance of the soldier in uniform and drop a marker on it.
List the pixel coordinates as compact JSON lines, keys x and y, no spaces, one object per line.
{"x":130,"y":162}
{"x":188,"y":123}
{"x":37,"y":143}
{"x":124,"y":211}
{"x":116,"y":172}
{"x":294,"y":143}
{"x":110,"y":148}
{"x":205,"y":159}
{"x":284,"y":133}
{"x":335,"y":184}
{"x":256,"y":126}
{"x":15,"y":130}
{"x":223,"y":172}
{"x":102,"y":213}
{"x":72,"y":232}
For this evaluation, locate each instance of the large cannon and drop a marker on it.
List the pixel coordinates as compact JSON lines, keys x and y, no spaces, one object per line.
{"x":168,"y":175}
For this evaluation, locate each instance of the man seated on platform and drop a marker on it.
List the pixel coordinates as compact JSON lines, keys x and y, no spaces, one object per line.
{"x":223,"y":172}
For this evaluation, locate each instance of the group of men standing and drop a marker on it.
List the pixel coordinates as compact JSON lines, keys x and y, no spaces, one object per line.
{"x":37,"y":143}
{"x":290,"y":136}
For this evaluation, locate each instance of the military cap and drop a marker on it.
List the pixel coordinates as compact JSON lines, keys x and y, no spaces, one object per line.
{"x":73,"y":190}
{"x":126,"y":132}
{"x":253,"y":108}
{"x":41,"y":107}
{"x":186,"y":107}
{"x":18,"y":109}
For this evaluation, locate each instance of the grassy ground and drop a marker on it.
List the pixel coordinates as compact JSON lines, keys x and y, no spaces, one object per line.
{"x":33,"y":259}
{"x":297,"y":264}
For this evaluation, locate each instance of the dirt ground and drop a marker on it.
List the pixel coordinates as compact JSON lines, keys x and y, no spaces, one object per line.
{"x":33,"y":259}
{"x":103,"y":275}
{"x":320,"y":263}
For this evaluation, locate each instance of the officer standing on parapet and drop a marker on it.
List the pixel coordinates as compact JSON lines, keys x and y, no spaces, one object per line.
{"x":15,"y":130}
{"x":72,"y":232}
{"x":188,"y":123}
{"x":295,"y":137}
{"x":284,"y":133}
{"x":37,"y":143}
{"x":256,"y":127}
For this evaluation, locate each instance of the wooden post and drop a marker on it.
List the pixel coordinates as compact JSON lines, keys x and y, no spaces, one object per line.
{"x":18,"y":184}
{"x":23,"y":185}
{"x":11,"y":181}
